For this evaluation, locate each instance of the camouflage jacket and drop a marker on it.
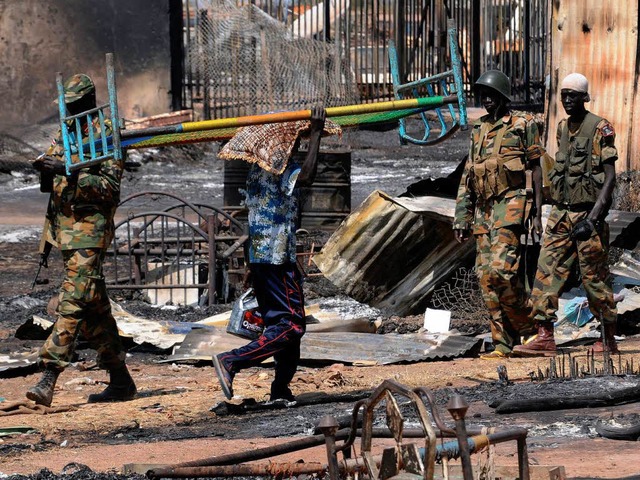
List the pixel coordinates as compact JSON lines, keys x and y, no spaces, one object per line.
{"x":83,"y":204}
{"x":492,"y":191}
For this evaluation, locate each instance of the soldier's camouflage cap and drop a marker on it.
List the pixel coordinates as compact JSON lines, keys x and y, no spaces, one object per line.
{"x":76,"y":87}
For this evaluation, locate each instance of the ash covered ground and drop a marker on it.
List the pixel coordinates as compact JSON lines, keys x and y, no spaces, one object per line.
{"x":378,"y":162}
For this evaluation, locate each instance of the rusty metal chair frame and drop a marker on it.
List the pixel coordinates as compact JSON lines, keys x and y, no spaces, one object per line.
{"x":394,"y":422}
{"x":423,"y":401}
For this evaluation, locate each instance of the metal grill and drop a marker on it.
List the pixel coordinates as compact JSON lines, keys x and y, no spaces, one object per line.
{"x":184,"y":254}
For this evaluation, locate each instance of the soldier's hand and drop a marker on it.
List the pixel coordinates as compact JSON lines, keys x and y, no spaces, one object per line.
{"x":583,"y":230}
{"x":461,"y":234}
{"x":50,"y":165}
{"x":318,"y":117}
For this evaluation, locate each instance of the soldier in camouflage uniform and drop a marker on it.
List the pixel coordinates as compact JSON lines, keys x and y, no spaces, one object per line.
{"x":582,"y":181}
{"x":80,"y":223}
{"x":499,"y":190}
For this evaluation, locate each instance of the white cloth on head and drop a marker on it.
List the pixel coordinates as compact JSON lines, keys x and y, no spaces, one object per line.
{"x":576,"y":82}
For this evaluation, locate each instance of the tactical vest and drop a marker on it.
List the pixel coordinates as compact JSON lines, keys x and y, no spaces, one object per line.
{"x":492,"y":175}
{"x":577,"y":175}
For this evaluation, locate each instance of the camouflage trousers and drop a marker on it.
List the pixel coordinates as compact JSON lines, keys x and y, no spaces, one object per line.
{"x":557,"y":258}
{"x":83,"y":308}
{"x":498,"y":255}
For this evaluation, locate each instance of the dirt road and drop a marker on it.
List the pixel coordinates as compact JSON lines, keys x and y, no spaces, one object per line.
{"x":170,"y":421}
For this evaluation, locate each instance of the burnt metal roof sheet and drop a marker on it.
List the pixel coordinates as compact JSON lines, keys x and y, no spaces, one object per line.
{"x":343,"y":347}
{"x":390,"y":257}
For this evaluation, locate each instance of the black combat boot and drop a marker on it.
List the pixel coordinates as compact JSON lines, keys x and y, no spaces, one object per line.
{"x":120,"y":389}
{"x":42,"y":392}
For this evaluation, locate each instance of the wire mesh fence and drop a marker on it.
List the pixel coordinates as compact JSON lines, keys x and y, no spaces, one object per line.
{"x":252,"y":56}
{"x":462,"y":297}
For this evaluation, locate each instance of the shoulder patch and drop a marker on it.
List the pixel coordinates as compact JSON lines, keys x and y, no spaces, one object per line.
{"x":607,"y":130}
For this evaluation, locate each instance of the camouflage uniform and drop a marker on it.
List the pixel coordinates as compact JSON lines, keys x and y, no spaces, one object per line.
{"x":492,"y":198}
{"x":574,"y":194}
{"x":80,"y":223}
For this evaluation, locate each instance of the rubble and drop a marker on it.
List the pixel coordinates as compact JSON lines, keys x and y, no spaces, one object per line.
{"x":174,"y":403}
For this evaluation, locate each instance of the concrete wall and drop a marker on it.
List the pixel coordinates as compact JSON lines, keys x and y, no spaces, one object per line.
{"x":41,"y":37}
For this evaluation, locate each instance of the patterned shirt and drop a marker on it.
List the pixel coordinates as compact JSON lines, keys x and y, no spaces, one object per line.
{"x":273,"y":205}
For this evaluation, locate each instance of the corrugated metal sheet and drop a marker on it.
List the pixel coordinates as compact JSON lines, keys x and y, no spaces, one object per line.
{"x":630,"y":303}
{"x":600,"y":40}
{"x":624,"y":229}
{"x":18,"y":361}
{"x":343,"y":347}
{"x":390,"y":257}
{"x":628,"y":268}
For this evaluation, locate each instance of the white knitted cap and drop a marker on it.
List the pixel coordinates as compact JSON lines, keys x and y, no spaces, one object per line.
{"x":576,"y":82}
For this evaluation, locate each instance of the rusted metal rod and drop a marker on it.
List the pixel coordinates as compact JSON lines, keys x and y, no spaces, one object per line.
{"x":449,"y":449}
{"x":279,"y":470}
{"x":255,"y":454}
{"x":310,"y":442}
{"x":272,"y":451}
{"x":328,"y":425}
{"x":458,"y":407}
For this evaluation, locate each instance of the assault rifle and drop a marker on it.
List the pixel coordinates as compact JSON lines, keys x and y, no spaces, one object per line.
{"x":44,"y":261}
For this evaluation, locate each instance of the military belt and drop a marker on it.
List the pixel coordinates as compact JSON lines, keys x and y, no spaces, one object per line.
{"x":576,"y":207}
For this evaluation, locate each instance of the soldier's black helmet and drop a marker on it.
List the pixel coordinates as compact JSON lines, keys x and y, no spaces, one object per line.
{"x":496,"y":80}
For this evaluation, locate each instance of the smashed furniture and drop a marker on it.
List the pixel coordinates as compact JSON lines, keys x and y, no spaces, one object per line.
{"x":393,"y":252}
{"x":181,"y":253}
{"x":406,"y":459}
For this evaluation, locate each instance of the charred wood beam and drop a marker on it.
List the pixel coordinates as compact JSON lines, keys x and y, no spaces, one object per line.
{"x":542,"y":404}
{"x":306,"y":399}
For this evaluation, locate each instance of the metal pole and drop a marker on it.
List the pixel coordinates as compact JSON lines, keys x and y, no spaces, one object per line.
{"x":211,"y":233}
{"x":328,"y":425}
{"x":458,"y":408}
{"x":527,"y":51}
{"x":113,"y":107}
{"x":327,"y":21}
{"x":401,"y":41}
{"x":235,"y":122}
{"x":206,"y":80}
{"x":476,"y":41}
{"x":176,"y":48}
{"x":523,"y":459}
